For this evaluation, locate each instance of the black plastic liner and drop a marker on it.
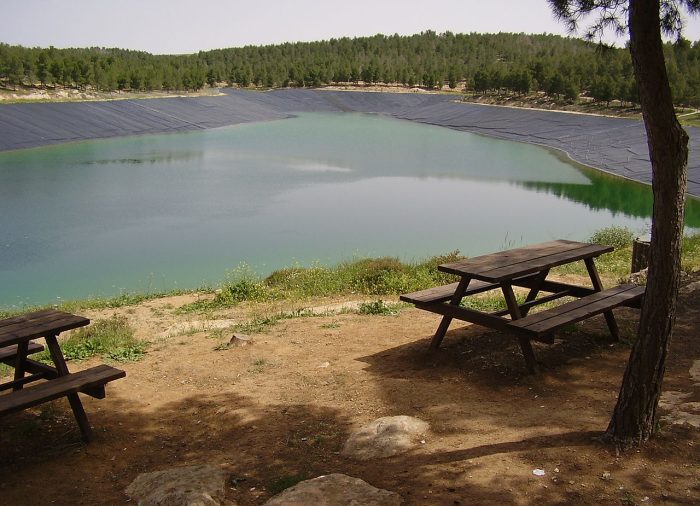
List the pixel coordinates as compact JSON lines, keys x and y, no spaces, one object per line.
{"x":615,"y":145}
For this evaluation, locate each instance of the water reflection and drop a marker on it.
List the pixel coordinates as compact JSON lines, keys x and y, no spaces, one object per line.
{"x":614,"y":194}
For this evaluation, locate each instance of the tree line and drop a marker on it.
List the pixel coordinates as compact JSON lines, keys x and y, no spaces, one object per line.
{"x":561,"y":67}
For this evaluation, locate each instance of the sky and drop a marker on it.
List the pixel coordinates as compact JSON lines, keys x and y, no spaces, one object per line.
{"x":178,"y":26}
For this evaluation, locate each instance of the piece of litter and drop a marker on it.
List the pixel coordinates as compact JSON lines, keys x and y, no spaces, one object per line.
{"x":645,"y":499}
{"x":538,"y":472}
{"x":324,"y":365}
{"x":556,"y":469}
{"x":422,"y":441}
{"x":606,"y":475}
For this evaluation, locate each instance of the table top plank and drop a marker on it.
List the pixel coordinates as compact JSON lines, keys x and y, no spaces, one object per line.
{"x":32,"y":325}
{"x":28,"y":317}
{"x":497,"y":267}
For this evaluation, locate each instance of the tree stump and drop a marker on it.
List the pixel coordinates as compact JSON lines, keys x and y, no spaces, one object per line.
{"x":640,"y":253}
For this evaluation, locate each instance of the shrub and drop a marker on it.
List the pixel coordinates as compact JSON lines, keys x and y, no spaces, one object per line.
{"x":617,"y":237}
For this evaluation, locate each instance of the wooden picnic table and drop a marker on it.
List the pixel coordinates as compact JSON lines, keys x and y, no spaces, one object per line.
{"x":526,"y":267}
{"x":16,"y":345}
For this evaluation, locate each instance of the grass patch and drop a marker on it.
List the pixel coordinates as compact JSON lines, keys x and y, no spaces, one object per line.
{"x":690,"y":260}
{"x":111,"y":338}
{"x":378,"y":307}
{"x":258,"y":365}
{"x":378,"y":276}
{"x":262,"y":323}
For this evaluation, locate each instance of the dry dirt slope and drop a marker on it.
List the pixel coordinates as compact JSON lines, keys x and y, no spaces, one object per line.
{"x":279,"y":410}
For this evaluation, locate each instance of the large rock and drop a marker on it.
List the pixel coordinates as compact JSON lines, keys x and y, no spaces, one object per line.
{"x":179,"y":486}
{"x":385,"y":437}
{"x":335,"y":490}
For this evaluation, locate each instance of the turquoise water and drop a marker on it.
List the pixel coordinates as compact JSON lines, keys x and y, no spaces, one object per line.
{"x":167,"y":211}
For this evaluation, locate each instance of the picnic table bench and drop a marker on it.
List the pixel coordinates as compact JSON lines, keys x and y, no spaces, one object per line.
{"x":526,"y":267}
{"x":16,"y":345}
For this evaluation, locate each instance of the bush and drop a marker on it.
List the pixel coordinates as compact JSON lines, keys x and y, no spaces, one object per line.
{"x":617,"y":237}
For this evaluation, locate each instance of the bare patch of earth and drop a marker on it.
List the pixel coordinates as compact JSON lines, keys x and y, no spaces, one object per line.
{"x":280,"y":410}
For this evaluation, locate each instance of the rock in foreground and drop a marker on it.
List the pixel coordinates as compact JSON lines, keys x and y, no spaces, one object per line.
{"x":335,"y":490}
{"x":179,"y":486}
{"x":385,"y":437}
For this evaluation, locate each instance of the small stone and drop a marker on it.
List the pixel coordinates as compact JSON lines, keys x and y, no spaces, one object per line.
{"x":538,"y":472}
{"x":324,"y":365}
{"x":606,"y":476}
{"x":240,"y":340}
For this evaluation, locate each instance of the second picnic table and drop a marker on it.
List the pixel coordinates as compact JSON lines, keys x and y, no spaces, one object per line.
{"x":17,"y":336}
{"x":526,"y":267}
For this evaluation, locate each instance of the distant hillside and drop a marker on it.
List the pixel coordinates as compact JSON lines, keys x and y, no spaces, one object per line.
{"x":516,"y":63}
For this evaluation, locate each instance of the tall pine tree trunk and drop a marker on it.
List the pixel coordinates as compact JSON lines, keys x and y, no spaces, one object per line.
{"x":634,"y":418}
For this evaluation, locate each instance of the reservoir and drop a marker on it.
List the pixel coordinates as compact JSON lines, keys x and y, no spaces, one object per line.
{"x":158,"y":212}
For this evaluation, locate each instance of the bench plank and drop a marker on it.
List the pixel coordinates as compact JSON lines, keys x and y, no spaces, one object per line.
{"x":9,"y":353}
{"x":89,"y":379}
{"x":549,"y":320}
{"x":445,"y":292}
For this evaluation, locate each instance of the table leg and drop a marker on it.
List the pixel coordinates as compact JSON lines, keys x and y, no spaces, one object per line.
{"x":75,"y":403}
{"x":535,"y":290}
{"x":446,"y":320}
{"x":20,"y":363}
{"x":598,"y":287}
{"x":525,"y":345}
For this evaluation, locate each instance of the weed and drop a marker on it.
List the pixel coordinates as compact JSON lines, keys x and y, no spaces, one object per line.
{"x":222,"y":347}
{"x":331,"y":325}
{"x":258,"y":365}
{"x":378,"y":307}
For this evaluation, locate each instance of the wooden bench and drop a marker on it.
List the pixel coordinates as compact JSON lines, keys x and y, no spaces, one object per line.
{"x":541,"y":325}
{"x":445,"y":292}
{"x":90,"y":380}
{"x":8,"y":354}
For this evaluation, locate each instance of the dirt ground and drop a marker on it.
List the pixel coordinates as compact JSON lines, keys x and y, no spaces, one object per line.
{"x":279,"y":410}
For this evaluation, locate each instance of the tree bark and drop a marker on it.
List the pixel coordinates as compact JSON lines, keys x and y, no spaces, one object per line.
{"x":634,"y":418}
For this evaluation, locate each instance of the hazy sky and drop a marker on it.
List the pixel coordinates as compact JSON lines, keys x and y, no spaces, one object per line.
{"x":178,"y":26}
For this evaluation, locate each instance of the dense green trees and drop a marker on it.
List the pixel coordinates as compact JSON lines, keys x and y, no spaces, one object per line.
{"x":484,"y":63}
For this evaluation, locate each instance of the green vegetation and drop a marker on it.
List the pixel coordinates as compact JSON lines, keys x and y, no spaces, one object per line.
{"x":377,"y":276}
{"x":379,"y":307}
{"x":617,"y":237}
{"x":560,"y":67}
{"x":111,"y":338}
{"x":363,"y":277}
